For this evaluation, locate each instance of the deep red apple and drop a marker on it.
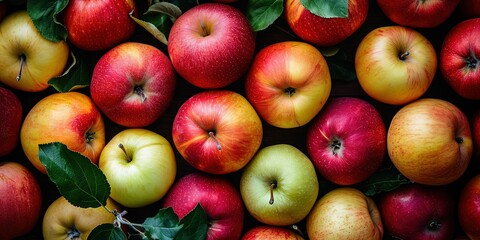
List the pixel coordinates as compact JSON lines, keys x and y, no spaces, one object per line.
{"x":469,"y":8}
{"x":469,"y":208}
{"x":11,"y":120}
{"x":475,"y":122}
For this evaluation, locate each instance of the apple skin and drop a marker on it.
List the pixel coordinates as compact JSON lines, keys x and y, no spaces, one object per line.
{"x":21,"y":201}
{"x":62,"y":220}
{"x":288,"y":83}
{"x":3,"y":10}
{"x":279,"y":186}
{"x":211,"y":45}
{"x":469,"y":8}
{"x":460,"y":58}
{"x":429,"y":141}
{"x":321,"y":31}
{"x":43,"y":59}
{"x":475,"y":125}
{"x":133,"y":84}
{"x":344,"y":213}
{"x":418,"y":14}
{"x":11,"y":119}
{"x":266,"y":232}
{"x":418,"y":212}
{"x":347,"y":141}
{"x":218,"y":197}
{"x":99,"y":25}
{"x":469,"y":208}
{"x":404,"y":55}
{"x":143,"y":173}
{"x":70,"y":118}
{"x":230,"y":119}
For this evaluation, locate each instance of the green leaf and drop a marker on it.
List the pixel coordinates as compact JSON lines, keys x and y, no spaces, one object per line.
{"x":44,"y":16}
{"x":341,"y":67}
{"x":327,"y":8}
{"x":384,"y":180}
{"x":169,"y":9}
{"x":195,"y":225}
{"x":262,"y":13}
{"x":80,"y":181}
{"x":77,"y":75}
{"x":107,"y":231}
{"x":151,"y":28}
{"x":164,"y":225}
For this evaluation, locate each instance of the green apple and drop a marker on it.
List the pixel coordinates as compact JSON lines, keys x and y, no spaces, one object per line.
{"x":279,"y":185}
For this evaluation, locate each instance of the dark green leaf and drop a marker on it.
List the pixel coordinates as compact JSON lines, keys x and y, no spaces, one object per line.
{"x":341,"y":67}
{"x":77,"y":75}
{"x":151,"y":28}
{"x":262,"y":13}
{"x":107,"y":231}
{"x":384,"y":180}
{"x":327,"y":8}
{"x":44,"y":16}
{"x":80,"y":181}
{"x":195,"y":225}
{"x":166,"y":8}
{"x":164,"y":225}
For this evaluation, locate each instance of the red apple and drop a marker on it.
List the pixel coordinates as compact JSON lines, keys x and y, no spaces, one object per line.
{"x":469,"y":208}
{"x":218,"y":197}
{"x":217,"y":131}
{"x":325,"y":31}
{"x":460,"y":58}
{"x":475,"y":122}
{"x":11,"y":119}
{"x":418,"y":14}
{"x":99,"y":25}
{"x":469,"y":8}
{"x":267,"y":232}
{"x":133,"y":84}
{"x":211,"y":45}
{"x":418,"y":212}
{"x":347,"y":141}
{"x":21,"y":201}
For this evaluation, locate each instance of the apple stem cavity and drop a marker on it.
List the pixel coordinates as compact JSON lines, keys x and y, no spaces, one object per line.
{"x":139,"y":90}
{"x":459,"y":140}
{"x":404,"y":55}
{"x":129,"y":159}
{"x":23,"y":58}
{"x":335,"y":145}
{"x":471,"y":62}
{"x":89,"y":136}
{"x":73,"y":233}
{"x":212,"y":135}
{"x":272,"y":186}
{"x":205,"y":30}
{"x":434,"y":226}
{"x":289,"y":91}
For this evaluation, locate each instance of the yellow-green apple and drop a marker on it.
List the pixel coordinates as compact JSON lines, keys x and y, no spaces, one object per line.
{"x":347,"y":140}
{"x":469,"y":208}
{"x":211,"y":45}
{"x":469,"y":8}
{"x":460,"y":58}
{"x":267,"y":232}
{"x":62,"y":220}
{"x":429,"y":141}
{"x":218,"y":197}
{"x":99,"y":25}
{"x":395,"y":64}
{"x":139,"y":165}
{"x":344,"y":213}
{"x":28,"y":59}
{"x":323,"y":31}
{"x":70,"y":118}
{"x":288,"y":83}
{"x":133,"y":84}
{"x":21,"y":201}
{"x":418,"y":212}
{"x":418,"y":14}
{"x":217,"y":131}
{"x":11,"y":119}
{"x":475,"y":127}
{"x":279,"y":185}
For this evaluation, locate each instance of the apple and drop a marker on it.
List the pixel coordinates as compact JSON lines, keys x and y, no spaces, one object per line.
{"x":429,"y":141}
{"x":3,"y":10}
{"x":395,"y":64}
{"x":70,"y":118}
{"x":28,"y":59}
{"x":469,"y":8}
{"x":99,"y":25}
{"x":322,"y":31}
{"x":217,"y":131}
{"x":475,"y":125}
{"x":139,"y":165}
{"x":11,"y":119}
{"x":344,"y":213}
{"x":279,"y":185}
{"x":347,"y":141}
{"x":416,"y":211}
{"x":21,"y":201}
{"x":418,"y":14}
{"x":133,"y":84}
{"x":266,"y":232}
{"x":211,"y":45}
{"x":218,"y":197}
{"x":62,"y":220}
{"x":469,"y":208}
{"x":460,"y":58}
{"x":288,"y":83}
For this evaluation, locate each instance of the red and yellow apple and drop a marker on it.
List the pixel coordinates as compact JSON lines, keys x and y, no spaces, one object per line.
{"x":267,"y":232}
{"x":11,"y":119}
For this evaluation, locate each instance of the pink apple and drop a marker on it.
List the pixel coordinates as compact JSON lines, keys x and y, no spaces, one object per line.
{"x":267,"y":232}
{"x":469,"y":8}
{"x":218,"y":197}
{"x":469,"y":208}
{"x":21,"y":201}
{"x":418,"y":14}
{"x":460,"y":58}
{"x":217,"y":131}
{"x":347,"y":141}
{"x":325,"y":31}
{"x":133,"y":84}
{"x":211,"y":45}
{"x":11,"y":119}
{"x":418,"y":212}
{"x":99,"y":25}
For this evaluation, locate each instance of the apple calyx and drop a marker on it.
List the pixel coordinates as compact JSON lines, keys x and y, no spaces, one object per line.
{"x":434,"y":225}
{"x":289,"y":91}
{"x":73,"y":233}
{"x":129,"y":159}
{"x":23,"y":58}
{"x":139,"y":91}
{"x":404,"y":55}
{"x":212,"y":135}
{"x":89,"y":136}
{"x":335,"y":145}
{"x":471,"y":62}
{"x":272,"y":186}
{"x":459,"y":140}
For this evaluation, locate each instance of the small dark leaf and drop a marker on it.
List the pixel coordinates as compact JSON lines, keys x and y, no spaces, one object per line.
{"x":340,"y":67}
{"x":195,"y":225}
{"x":77,"y":75}
{"x":152,"y":29}
{"x":107,"y":231}
{"x":164,"y":225}
{"x":384,"y":180}
{"x":262,"y":13}
{"x":166,"y":8}
{"x":44,"y":16}
{"x":327,"y":8}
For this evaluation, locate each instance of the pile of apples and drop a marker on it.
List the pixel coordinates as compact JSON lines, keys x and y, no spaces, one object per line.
{"x":251,"y":125}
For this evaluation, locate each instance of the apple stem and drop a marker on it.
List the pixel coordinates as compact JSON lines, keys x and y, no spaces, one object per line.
{"x":297,"y":229}
{"x":212,"y":135}
{"x":205,"y":30}
{"x":404,"y":55}
{"x":139,"y":90}
{"x":272,"y":186}
{"x":22,"y":62}
{"x":129,"y":159}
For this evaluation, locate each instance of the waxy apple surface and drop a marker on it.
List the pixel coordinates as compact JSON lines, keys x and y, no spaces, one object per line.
{"x":469,"y":208}
{"x":267,"y":232}
{"x":469,"y":8}
{"x":11,"y":119}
